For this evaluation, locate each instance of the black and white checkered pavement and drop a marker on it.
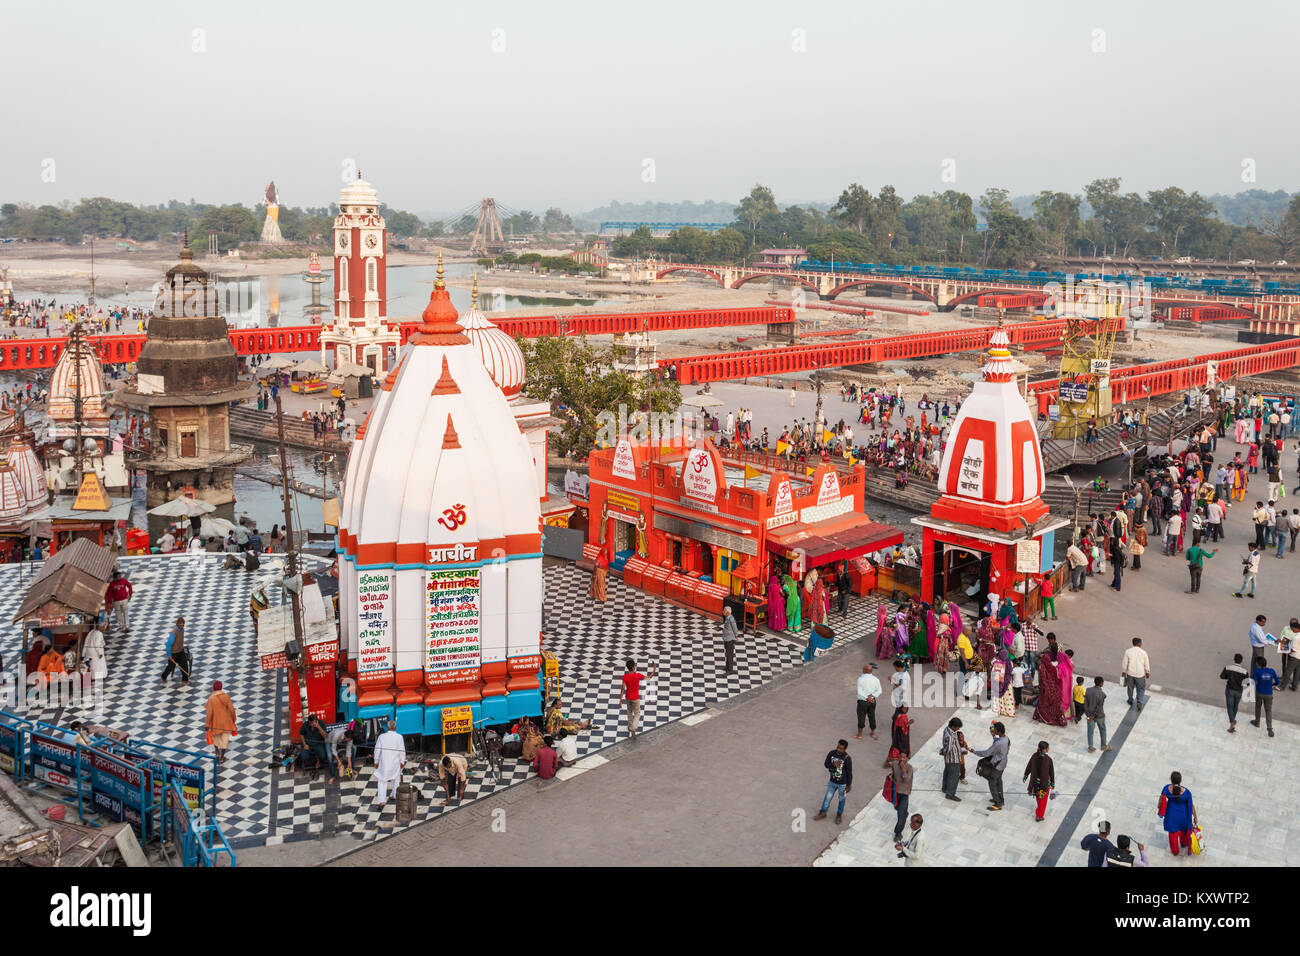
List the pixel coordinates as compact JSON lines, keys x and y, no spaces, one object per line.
{"x":258,"y":803}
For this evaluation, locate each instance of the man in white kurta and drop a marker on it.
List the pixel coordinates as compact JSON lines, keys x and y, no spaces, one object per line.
{"x":93,"y":651}
{"x":390,"y":755}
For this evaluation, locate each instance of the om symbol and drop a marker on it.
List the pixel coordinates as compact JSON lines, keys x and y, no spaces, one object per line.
{"x":699,"y":464}
{"x":452,"y":518}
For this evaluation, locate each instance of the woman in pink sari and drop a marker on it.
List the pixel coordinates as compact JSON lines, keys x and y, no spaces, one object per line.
{"x":958,"y":627}
{"x":884,"y":636}
{"x":775,"y":604}
{"x":931,"y":633}
{"x":1065,"y":667}
{"x":1048,"y":709}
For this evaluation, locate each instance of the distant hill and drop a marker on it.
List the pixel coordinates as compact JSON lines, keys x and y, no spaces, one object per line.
{"x":1251,"y":205}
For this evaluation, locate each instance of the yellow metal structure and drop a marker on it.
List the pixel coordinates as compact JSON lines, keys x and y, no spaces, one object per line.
{"x":1092,"y":316}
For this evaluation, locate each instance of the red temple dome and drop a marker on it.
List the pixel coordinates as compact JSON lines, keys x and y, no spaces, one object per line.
{"x":992,"y":471}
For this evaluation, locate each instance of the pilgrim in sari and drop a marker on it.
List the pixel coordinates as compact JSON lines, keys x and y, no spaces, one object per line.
{"x":1065,"y":666}
{"x":775,"y":604}
{"x":931,"y":634}
{"x":901,"y":639}
{"x":942,"y":645}
{"x":918,"y":649}
{"x":958,"y":626}
{"x":1005,"y":705}
{"x":817,"y":608}
{"x":793,"y":610}
{"x":884,"y":636}
{"x":1048,"y":709}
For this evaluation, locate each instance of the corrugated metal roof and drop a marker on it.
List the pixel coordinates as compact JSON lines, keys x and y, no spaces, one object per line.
{"x":83,"y":555}
{"x":73,"y":588}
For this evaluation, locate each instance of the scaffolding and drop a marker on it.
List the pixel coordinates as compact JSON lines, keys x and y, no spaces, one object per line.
{"x":1093,"y":315}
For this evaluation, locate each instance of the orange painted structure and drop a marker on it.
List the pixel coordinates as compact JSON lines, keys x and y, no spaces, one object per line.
{"x":37,"y":353}
{"x":804,"y":358}
{"x":678,"y":524}
{"x":1131,"y":382}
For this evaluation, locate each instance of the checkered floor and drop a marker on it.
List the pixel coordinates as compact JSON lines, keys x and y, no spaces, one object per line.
{"x":258,"y":804}
{"x":219,"y":636}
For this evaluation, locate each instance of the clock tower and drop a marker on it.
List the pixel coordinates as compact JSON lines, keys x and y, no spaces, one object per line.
{"x":361,"y":333}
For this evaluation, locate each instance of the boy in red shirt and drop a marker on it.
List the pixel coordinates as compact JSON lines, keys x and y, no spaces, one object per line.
{"x":1048,"y":594}
{"x":632,"y":694}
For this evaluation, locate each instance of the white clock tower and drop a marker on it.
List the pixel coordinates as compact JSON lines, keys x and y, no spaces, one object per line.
{"x":361,"y":332}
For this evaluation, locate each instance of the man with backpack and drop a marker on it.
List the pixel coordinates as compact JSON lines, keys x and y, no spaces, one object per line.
{"x":898,"y":789}
{"x":993,"y":760}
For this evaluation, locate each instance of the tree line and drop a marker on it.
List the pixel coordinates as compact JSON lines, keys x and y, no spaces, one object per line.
{"x":234,"y":224}
{"x":988,"y":231}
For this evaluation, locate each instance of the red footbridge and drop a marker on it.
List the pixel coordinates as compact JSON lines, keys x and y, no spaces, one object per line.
{"x":40,"y":353}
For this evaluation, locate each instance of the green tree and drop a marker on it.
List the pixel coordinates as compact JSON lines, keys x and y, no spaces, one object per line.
{"x":1009,"y":239}
{"x":232,"y":224}
{"x":886,"y":219}
{"x":853,"y":208}
{"x":555,"y":221}
{"x":1057,"y":217}
{"x":754,"y":209}
{"x":1282,"y":231}
{"x":402,"y":224}
{"x":580,"y":382}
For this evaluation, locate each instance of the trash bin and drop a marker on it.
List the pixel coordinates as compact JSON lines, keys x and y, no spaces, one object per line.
{"x":405,"y":803}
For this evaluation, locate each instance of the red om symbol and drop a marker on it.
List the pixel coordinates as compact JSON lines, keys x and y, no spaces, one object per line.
{"x":453,"y":518}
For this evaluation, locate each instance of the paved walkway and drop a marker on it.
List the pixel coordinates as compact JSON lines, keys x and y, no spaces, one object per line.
{"x":1229,"y":778}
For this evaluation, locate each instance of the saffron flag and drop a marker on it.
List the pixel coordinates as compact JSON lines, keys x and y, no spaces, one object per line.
{"x":781,"y":446}
{"x":751,"y":472}
{"x":827,"y":437}
{"x":809,"y":472}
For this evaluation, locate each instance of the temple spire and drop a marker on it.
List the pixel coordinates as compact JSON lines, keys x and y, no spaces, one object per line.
{"x":474,"y":293}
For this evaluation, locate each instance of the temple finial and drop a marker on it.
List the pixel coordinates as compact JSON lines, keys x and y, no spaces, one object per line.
{"x":440,"y":284}
{"x":474,"y":293}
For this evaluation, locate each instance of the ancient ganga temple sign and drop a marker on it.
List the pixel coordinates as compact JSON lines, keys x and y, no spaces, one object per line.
{"x":374,"y":622}
{"x":452,"y":626}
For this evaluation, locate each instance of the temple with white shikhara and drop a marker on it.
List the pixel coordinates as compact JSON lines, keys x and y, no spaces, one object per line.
{"x":440,"y":554}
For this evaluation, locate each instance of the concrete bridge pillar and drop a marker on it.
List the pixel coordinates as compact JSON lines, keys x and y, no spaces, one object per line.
{"x":943,"y":294}
{"x":825,"y":285}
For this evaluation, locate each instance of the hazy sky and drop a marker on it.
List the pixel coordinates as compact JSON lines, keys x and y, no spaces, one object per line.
{"x":566,"y":103}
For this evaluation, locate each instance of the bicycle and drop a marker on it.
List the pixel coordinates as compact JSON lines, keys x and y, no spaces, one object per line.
{"x":487,"y":746}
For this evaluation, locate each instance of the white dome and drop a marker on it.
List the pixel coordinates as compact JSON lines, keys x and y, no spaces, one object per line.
{"x":502,"y":358}
{"x":359,"y":193}
{"x":63,"y":386}
{"x":30,"y":475}
{"x":13,"y":504}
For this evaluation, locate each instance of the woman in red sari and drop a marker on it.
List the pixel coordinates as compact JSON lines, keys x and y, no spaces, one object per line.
{"x":1048,"y":709}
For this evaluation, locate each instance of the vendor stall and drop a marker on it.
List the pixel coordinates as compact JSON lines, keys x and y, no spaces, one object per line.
{"x":686,"y":523}
{"x":64,"y":600}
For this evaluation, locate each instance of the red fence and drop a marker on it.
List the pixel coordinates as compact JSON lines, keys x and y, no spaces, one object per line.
{"x":803,"y":358}
{"x":37,"y":353}
{"x":1176,"y":375}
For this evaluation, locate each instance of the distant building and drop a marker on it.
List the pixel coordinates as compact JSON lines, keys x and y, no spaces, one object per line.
{"x":589,"y":257}
{"x":782,"y":259}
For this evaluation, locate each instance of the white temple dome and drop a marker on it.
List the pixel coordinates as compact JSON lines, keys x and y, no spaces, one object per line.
{"x":359,"y":193}
{"x":501,"y":356}
{"x":27,"y":469}
{"x":63,"y":386}
{"x":13,"y":504}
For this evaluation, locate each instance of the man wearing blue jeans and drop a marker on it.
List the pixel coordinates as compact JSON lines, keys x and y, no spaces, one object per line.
{"x":840,"y":765}
{"x":1094,"y":709}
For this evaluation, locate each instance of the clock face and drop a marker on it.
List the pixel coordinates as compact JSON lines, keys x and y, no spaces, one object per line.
{"x":343,"y":240}
{"x":372,"y":241}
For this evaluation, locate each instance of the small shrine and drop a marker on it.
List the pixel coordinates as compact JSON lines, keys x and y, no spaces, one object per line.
{"x":990,"y":531}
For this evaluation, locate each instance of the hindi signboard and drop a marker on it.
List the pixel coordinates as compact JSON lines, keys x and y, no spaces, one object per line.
{"x":451,"y":648}
{"x":1076,"y":392}
{"x":374,"y":622}
{"x":457,"y":720}
{"x":1029,"y":556}
{"x":8,"y":748}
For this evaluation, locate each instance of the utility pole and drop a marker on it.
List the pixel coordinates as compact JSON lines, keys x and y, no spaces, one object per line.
{"x":78,"y":455}
{"x":92,"y":270}
{"x":292,"y":554}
